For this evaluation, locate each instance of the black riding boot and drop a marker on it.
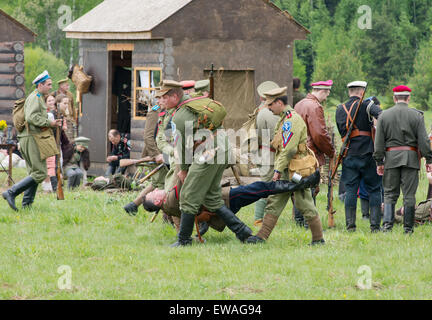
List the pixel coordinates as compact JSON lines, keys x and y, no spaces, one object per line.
{"x":283,"y":186}
{"x":350,"y":218}
{"x":389,"y":215}
{"x":54,"y":183}
{"x":18,"y":188}
{"x":408,"y":220}
{"x":364,"y":205}
{"x":375,"y":218}
{"x":186,"y":227}
{"x":29,"y":196}
{"x":298,"y":217}
{"x":241,"y":230}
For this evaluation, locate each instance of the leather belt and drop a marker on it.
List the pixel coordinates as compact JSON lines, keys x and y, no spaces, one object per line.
{"x":402,"y":148}
{"x":271,"y":148}
{"x":356,"y":133}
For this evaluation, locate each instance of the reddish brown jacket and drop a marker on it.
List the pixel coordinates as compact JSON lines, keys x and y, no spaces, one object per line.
{"x":318,"y":137}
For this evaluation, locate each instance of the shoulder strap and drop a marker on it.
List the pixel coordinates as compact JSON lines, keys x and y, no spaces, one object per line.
{"x":349,"y":118}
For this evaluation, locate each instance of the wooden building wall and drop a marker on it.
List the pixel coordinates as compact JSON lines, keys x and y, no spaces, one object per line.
{"x":12,"y":86}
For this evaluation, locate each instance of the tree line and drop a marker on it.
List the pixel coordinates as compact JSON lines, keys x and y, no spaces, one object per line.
{"x":386,"y":42}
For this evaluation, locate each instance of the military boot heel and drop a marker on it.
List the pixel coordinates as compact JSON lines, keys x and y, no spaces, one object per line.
{"x":29,"y":196}
{"x":375,"y":219}
{"x":350,"y":218}
{"x":186,"y":227}
{"x":241,"y":230}
{"x":18,"y":188}
{"x":409,"y":219}
{"x":388,"y":219}
{"x":364,"y":205}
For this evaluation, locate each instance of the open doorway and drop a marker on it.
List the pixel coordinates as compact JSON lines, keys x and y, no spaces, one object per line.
{"x":119,"y":116}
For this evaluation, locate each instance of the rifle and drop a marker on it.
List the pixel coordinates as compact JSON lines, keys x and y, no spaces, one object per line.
{"x":60,"y":195}
{"x":330,"y":209}
{"x":152,"y":173}
{"x":345,"y":145}
{"x":212,"y":93}
{"x":130,"y":162}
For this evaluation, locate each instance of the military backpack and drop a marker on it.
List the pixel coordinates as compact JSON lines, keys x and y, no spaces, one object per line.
{"x":210,"y":113}
{"x":18,"y":116}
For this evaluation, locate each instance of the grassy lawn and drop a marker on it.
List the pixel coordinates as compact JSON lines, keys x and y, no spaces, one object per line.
{"x":114,"y":256}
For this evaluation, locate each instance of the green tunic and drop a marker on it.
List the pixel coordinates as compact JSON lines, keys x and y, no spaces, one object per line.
{"x":290,"y":131}
{"x":401,"y":126}
{"x":36,"y":116}
{"x":202,"y":184}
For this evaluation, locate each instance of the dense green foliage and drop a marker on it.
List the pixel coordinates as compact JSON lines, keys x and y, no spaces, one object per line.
{"x":395,"y":50}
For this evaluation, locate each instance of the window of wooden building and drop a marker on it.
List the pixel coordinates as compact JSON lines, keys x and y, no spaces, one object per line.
{"x":146,"y":79}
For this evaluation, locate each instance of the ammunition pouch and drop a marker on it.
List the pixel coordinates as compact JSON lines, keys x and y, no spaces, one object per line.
{"x":304,"y":162}
{"x":46,"y":144}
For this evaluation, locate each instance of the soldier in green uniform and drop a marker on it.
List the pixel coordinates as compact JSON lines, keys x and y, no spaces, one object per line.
{"x":202,"y":88}
{"x":265,"y":123}
{"x":37,"y":129}
{"x":200,"y":173}
{"x":398,"y":149}
{"x":293,"y":161}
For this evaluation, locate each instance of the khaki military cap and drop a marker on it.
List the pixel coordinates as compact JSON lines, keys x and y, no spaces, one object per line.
{"x":83,"y":141}
{"x":167,"y":85}
{"x":63,"y":81}
{"x":202,"y":85}
{"x":158,"y":92}
{"x":273,"y":94}
{"x":266,"y":86}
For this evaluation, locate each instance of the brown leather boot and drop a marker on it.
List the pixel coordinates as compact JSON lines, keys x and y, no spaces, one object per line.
{"x":268,"y":224}
{"x":316,"y":229}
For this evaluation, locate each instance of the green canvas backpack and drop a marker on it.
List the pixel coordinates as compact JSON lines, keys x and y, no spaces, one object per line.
{"x":18,"y":116}
{"x":210,"y":113}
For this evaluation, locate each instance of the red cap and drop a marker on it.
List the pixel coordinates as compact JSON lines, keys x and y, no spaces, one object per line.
{"x":402,"y":91}
{"x":322,"y":84}
{"x":188,"y":84}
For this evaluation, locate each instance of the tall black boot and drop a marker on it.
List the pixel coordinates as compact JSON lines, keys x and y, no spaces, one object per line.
{"x":186,"y":227}
{"x":429,"y":193}
{"x":408,"y":219}
{"x":29,"y":196}
{"x":282,"y":186}
{"x":389,"y":215}
{"x":54,"y":183}
{"x":298,"y":217}
{"x":18,"y":188}
{"x":241,"y":230}
{"x":375,"y":218}
{"x":364,"y":205}
{"x":350,"y":218}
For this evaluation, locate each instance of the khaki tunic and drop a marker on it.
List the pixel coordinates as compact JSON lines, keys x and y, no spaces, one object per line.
{"x":290,"y":132}
{"x":36,"y":116}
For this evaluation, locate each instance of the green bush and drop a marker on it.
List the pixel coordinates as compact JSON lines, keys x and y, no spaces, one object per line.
{"x":36,"y":61}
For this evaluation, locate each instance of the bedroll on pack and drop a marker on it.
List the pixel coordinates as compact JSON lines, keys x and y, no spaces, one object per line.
{"x":18,"y":116}
{"x":210,"y":113}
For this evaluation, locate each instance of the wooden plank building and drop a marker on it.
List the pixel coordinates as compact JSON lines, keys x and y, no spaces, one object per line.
{"x":13,"y":35}
{"x":128,"y":46}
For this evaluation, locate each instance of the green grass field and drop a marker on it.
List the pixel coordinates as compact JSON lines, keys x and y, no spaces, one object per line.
{"x":110,"y":255}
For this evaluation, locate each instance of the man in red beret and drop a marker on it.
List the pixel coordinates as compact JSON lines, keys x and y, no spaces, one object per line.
{"x":401,"y":140}
{"x":318,"y":140}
